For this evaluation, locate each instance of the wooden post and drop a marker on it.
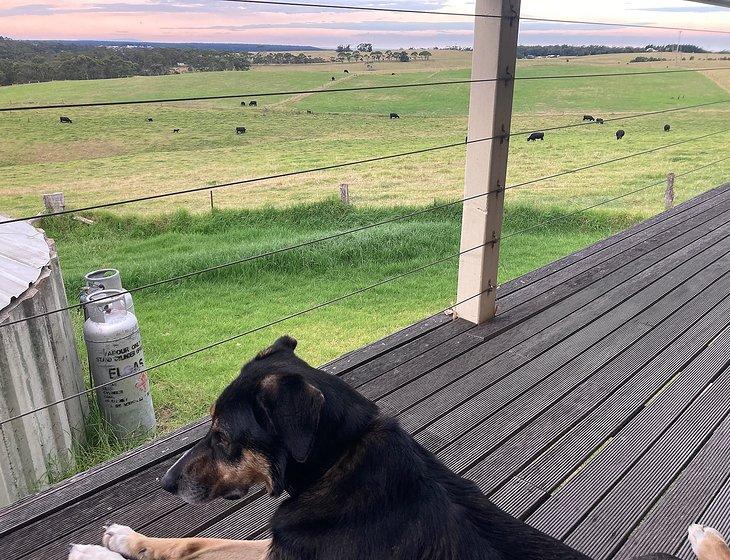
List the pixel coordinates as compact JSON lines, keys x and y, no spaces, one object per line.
{"x":54,"y":202}
{"x":490,"y":115}
{"x":345,"y":193}
{"x":669,"y":192}
{"x":212,"y":206}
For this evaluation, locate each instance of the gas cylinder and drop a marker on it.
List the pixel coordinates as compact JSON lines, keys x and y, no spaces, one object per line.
{"x":116,"y":360}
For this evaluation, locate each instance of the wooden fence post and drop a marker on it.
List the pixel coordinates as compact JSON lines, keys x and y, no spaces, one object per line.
{"x":669,"y":192}
{"x":345,"y":193}
{"x":490,"y":115}
{"x":54,"y":202}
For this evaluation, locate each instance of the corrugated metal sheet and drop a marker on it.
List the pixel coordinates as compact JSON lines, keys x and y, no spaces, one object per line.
{"x":23,"y":254}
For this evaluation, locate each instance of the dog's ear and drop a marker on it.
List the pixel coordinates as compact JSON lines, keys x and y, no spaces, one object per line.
{"x":283,"y":343}
{"x":293,"y":407}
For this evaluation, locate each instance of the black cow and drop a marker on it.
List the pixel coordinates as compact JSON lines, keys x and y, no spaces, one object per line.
{"x":394,"y":116}
{"x":66,"y":120}
{"x":175,"y":130}
{"x":333,"y":78}
{"x":536,"y":136}
{"x":620,"y":134}
{"x":588,"y":118}
{"x":347,"y":71}
{"x":240,"y":130}
{"x":667,"y":128}
{"x":253,"y":104}
{"x":392,"y":73}
{"x":150,"y":119}
{"x":243,"y":103}
{"x":599,"y":120}
{"x":309,"y":112}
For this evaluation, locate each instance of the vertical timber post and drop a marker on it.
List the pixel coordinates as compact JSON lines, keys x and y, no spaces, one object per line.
{"x":490,"y":115}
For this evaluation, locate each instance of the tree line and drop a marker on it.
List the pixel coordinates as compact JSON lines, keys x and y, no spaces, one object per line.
{"x":40,"y":61}
{"x":532,"y":51}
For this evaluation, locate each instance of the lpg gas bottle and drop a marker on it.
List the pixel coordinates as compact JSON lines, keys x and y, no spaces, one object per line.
{"x":104,"y":279}
{"x":116,"y":361}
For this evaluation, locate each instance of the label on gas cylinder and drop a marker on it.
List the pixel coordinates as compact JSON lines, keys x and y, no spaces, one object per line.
{"x":126,"y":403}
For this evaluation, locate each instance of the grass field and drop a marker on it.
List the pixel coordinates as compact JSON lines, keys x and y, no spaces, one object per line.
{"x":112,"y":153}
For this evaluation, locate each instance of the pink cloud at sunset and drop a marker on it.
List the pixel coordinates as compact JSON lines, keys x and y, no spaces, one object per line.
{"x":221,"y":21}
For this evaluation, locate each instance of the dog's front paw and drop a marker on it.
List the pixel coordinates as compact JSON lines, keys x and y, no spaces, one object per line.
{"x":122,"y":539}
{"x":701,"y":537}
{"x":92,"y":552}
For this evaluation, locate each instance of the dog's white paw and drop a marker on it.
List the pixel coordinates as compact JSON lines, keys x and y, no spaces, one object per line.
{"x":92,"y":552}
{"x":700,"y":536}
{"x":120,"y":538}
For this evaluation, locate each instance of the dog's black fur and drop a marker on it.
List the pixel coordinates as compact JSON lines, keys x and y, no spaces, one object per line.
{"x":360,"y":487}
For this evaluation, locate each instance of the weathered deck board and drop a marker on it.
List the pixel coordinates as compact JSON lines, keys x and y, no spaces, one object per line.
{"x":594,"y":405}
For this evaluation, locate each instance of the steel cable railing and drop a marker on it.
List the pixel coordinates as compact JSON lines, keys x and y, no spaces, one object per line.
{"x":352,"y":294}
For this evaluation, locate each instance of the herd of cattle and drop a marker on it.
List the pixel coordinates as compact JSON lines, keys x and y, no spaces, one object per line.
{"x":239,"y":129}
{"x":620,"y":133}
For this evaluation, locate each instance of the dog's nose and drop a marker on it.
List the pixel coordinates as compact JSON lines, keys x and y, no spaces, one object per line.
{"x":169,"y":482}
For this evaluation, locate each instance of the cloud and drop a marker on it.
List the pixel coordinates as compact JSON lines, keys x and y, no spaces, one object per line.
{"x":223,"y":21}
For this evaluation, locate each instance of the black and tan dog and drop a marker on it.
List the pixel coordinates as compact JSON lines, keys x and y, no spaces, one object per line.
{"x":360,"y":487}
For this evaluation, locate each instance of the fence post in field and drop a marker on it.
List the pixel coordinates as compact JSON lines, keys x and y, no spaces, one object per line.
{"x":669,"y":192}
{"x":490,"y":114}
{"x":54,"y":202}
{"x":345,"y":193}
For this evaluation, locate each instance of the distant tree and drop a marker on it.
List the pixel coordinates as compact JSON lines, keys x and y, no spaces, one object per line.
{"x":403,"y":57}
{"x":377,"y":55}
{"x":365,"y":47}
{"x":425,"y":55}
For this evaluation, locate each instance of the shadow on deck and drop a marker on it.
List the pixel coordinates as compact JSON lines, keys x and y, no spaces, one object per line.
{"x":595,"y":406}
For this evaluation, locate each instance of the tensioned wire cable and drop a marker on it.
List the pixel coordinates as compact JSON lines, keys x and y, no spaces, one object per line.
{"x":335,"y":166}
{"x":363,"y":228}
{"x":346,"y":89}
{"x":356,"y":292}
{"x":468,"y":15}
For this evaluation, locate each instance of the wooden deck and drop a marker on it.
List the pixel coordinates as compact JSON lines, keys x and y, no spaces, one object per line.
{"x":595,"y":406}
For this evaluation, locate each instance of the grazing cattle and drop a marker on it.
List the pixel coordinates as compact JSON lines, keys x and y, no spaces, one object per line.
{"x":347,"y":71}
{"x":243,"y":103}
{"x":599,"y":120}
{"x":175,"y":130}
{"x":536,"y":136}
{"x":620,"y":134}
{"x":667,"y":128}
{"x":66,"y":120}
{"x":240,"y":130}
{"x":588,"y":118}
{"x":150,"y":119}
{"x":333,"y":78}
{"x":253,"y":104}
{"x":309,"y":112}
{"x":394,"y":116}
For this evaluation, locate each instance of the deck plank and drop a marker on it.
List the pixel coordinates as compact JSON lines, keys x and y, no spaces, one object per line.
{"x":602,"y":473}
{"x":577,"y":426}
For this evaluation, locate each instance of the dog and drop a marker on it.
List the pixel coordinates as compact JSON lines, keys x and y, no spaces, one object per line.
{"x":359,"y":486}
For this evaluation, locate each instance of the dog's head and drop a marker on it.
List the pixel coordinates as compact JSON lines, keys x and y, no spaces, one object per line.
{"x":264,"y":425}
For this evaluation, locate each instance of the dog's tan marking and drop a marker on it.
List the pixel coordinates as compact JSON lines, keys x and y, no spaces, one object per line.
{"x":135,"y":546}
{"x":707,"y":543}
{"x":253,"y":468}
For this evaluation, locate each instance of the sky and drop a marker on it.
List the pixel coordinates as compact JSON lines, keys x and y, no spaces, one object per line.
{"x":224,"y":21}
